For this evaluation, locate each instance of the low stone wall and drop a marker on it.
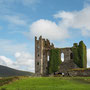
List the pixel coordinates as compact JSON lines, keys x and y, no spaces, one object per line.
{"x":79,"y":72}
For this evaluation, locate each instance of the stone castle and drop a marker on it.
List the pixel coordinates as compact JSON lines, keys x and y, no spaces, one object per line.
{"x":42,"y":57}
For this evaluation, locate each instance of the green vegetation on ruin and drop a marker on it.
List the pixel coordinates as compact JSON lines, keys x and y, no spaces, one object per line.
{"x":55,"y":60}
{"x":49,"y":83}
{"x":79,"y":54}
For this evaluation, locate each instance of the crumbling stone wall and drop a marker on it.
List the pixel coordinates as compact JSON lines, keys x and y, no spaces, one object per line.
{"x":67,"y":53}
{"x":68,"y":60}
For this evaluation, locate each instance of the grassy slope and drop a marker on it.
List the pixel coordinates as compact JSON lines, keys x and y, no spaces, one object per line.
{"x":50,"y":83}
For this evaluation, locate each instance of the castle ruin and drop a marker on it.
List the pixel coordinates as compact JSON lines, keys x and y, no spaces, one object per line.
{"x":42,"y":57}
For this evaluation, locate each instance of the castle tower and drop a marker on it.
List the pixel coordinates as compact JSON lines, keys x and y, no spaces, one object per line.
{"x":39,"y":56}
{"x":42,"y":48}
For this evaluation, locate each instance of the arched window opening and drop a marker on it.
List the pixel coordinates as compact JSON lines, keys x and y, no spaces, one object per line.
{"x":71,"y":56}
{"x":62,"y":57}
{"x":47,"y":58}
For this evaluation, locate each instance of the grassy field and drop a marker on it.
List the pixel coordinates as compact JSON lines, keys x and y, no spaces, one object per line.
{"x":49,"y":83}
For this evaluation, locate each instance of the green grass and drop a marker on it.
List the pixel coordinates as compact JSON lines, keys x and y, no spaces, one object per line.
{"x":49,"y":83}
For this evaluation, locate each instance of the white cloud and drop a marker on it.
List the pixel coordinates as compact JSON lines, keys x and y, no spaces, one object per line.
{"x":48,"y":29}
{"x":8,"y":10}
{"x":17,"y":54}
{"x":76,"y":19}
{"x":16,"y":20}
{"x":10,"y":47}
{"x":24,"y":61}
{"x":88,"y":57}
{"x":5,"y":61}
{"x":64,"y":15}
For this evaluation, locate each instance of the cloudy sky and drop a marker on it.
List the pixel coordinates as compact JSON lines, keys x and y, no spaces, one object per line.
{"x":63,"y":22}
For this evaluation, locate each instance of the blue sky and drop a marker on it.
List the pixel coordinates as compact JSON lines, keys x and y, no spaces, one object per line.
{"x":63,"y":22}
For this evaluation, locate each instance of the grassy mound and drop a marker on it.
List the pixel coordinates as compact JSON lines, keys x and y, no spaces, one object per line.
{"x":49,"y":83}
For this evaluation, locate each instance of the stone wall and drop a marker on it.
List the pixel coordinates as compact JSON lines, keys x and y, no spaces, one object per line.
{"x":67,"y":53}
{"x":79,"y":72}
{"x":68,"y":60}
{"x":65,"y":66}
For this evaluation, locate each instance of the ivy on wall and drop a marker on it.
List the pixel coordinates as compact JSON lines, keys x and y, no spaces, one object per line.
{"x":80,"y":54}
{"x":76,"y":55}
{"x":79,"y":57}
{"x":55,"y":60}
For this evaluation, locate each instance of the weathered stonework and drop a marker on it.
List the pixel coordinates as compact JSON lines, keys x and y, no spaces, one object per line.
{"x":67,"y":53}
{"x":42,"y":54}
{"x":42,"y":48}
{"x":79,"y":72}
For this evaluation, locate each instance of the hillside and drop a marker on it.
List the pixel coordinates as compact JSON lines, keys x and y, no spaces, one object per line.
{"x":6,"y":71}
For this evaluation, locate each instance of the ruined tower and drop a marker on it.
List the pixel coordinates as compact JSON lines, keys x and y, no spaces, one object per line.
{"x":42,"y":48}
{"x":73,"y":58}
